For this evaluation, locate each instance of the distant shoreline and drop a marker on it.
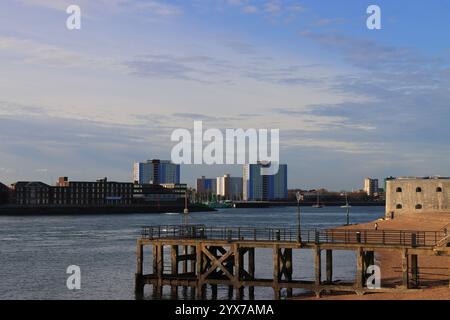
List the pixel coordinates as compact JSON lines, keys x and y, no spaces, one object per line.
{"x":153,"y":209}
{"x":268,"y":204}
{"x":93,"y":210}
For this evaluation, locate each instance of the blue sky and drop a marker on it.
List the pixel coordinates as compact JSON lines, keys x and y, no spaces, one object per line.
{"x":349,"y":102}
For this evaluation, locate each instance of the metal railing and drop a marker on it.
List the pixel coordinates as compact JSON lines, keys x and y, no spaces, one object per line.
{"x":313,"y":236}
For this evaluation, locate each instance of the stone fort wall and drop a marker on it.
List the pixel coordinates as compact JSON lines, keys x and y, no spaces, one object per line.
{"x":417,"y":195}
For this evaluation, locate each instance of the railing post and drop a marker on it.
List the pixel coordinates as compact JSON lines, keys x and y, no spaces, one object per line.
{"x":229,"y":234}
{"x":277,"y":235}
{"x":358,"y":237}
{"x":317,"y":237}
{"x":413,"y":240}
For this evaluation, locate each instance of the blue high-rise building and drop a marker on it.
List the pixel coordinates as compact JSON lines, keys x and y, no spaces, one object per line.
{"x":156,"y":172}
{"x":258,"y":187}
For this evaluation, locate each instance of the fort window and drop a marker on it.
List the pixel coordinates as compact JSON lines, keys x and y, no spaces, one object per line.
{"x":418,"y":207}
{"x":399,"y":206}
{"x":418,"y":189}
{"x":438,"y":189}
{"x":399,"y":189}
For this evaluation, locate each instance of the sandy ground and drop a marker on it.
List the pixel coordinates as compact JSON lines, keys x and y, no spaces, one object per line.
{"x":433,"y":271}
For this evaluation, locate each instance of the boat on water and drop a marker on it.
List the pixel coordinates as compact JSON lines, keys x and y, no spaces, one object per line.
{"x":347,"y":205}
{"x":220,"y":205}
{"x":318,"y":205}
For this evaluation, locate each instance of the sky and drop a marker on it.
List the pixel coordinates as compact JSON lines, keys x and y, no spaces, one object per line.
{"x":349,"y":102}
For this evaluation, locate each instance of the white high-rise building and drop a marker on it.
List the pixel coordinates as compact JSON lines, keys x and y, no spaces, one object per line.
{"x":370,"y":186}
{"x":230,"y":188}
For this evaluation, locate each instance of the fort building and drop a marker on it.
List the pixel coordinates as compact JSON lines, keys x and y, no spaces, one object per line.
{"x":410,"y":195}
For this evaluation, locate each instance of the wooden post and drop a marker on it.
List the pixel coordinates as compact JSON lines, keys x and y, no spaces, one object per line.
{"x":199,"y":271}
{"x":160,"y":260}
{"x":289,"y":269}
{"x":155,"y":259}
{"x":237,"y":271}
{"x":318,"y":266}
{"x":214,"y":291}
{"x":139,"y":284}
{"x":449,"y":272}
{"x":174,"y":264}
{"x":251,"y":271}
{"x":174,"y":256}
{"x":139,"y":258}
{"x":185,"y":252}
{"x":329,"y":266}
{"x":214,"y":251}
{"x":415,"y":269}
{"x":276,"y":272}
{"x":193,"y":253}
{"x":360,"y":268}
{"x":159,"y":269}
{"x":405,"y":269}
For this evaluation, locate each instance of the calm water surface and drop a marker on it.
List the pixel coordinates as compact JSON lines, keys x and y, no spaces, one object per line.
{"x":36,"y":251}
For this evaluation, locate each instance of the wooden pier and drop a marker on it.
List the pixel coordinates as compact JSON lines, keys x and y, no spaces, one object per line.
{"x":203,"y":256}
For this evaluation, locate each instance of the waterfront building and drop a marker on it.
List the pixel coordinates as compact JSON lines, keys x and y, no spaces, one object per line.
{"x":206,"y":188}
{"x":154,"y":193}
{"x":371,"y":186}
{"x":32,"y":193}
{"x":179,"y":189}
{"x":84,"y":193}
{"x":5,"y":193}
{"x":410,"y":195}
{"x":257,"y":187}
{"x":229,"y":188}
{"x":156,"y":172}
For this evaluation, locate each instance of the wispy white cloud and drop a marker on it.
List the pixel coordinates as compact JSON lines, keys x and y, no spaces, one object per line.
{"x":152,"y":7}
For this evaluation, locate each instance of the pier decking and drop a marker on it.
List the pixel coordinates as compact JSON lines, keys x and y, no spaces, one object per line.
{"x":202,"y":256}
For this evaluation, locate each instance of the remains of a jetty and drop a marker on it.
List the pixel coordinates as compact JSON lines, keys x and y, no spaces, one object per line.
{"x":198,"y":256}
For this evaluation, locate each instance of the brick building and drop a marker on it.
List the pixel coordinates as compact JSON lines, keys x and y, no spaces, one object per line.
{"x":32,"y":193}
{"x":100,"y":192}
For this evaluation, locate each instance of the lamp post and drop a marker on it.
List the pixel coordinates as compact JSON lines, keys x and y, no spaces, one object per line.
{"x":347,"y":207}
{"x":186,"y":210}
{"x":299,"y":197}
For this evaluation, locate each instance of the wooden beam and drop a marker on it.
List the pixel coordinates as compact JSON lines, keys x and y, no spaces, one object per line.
{"x":174,"y":257}
{"x":193,"y":264}
{"x":251,"y":271}
{"x":198,"y":261}
{"x":405,"y":273}
{"x":288,"y":269}
{"x":318,"y":265}
{"x":155,"y":258}
{"x":415,"y":270}
{"x":139,"y":258}
{"x":276,"y":271}
{"x":329,"y":266}
{"x":217,"y":263}
{"x":360,"y":268}
{"x":185,"y":252}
